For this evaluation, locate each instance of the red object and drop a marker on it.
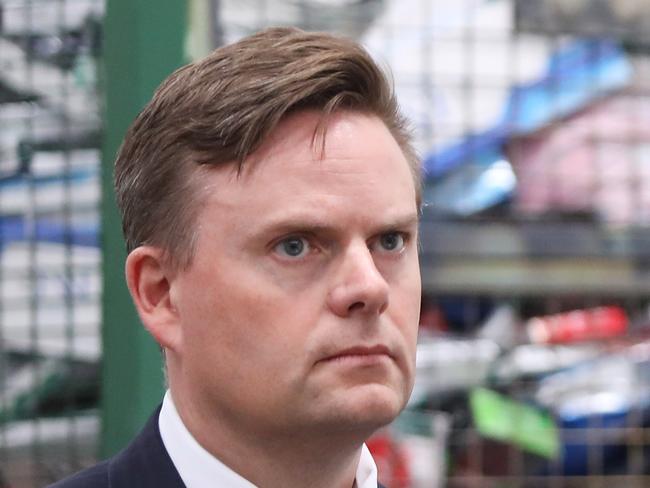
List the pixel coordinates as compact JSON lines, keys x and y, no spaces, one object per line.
{"x":432,"y":319}
{"x":579,"y":325}
{"x":392,"y":463}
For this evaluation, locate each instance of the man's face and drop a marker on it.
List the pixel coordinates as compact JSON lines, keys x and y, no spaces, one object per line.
{"x":300,"y":308}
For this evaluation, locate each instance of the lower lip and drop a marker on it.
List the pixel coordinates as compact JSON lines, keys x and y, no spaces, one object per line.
{"x":359,"y":359}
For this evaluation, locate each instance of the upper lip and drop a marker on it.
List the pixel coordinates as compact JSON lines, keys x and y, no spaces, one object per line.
{"x":360,"y":351}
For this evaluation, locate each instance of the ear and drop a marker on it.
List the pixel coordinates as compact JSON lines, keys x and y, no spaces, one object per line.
{"x":149,"y":279}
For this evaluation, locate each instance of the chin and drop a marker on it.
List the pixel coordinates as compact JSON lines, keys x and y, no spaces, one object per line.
{"x":370,"y":407}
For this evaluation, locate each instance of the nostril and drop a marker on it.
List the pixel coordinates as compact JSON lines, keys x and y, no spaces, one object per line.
{"x":356,"y":306}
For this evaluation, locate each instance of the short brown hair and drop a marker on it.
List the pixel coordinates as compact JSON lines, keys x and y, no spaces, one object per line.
{"x":220,"y":109}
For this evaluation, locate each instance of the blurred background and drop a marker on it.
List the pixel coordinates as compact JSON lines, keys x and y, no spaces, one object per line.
{"x":532,"y":118}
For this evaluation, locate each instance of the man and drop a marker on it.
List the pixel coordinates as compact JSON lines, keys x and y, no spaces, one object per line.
{"x":269,"y":196}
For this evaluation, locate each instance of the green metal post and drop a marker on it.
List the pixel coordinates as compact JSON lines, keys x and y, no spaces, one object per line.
{"x":144,"y":43}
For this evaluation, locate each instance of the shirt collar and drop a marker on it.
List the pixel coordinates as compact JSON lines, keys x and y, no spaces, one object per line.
{"x":200,"y":469}
{"x":367,"y":470}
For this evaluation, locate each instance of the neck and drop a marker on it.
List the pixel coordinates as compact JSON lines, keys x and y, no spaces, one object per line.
{"x":279,"y":459}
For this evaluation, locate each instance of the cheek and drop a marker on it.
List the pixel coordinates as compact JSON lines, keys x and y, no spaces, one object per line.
{"x":221,"y":319}
{"x":223,"y":329}
{"x":407,"y":286}
{"x":248,"y":321}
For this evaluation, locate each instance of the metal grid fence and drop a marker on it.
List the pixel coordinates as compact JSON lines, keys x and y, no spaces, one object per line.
{"x":49,"y":251}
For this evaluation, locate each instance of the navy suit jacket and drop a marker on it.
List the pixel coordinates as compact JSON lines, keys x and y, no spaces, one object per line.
{"x":142,"y":464}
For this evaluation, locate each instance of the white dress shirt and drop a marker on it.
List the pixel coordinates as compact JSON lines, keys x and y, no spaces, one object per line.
{"x":200,"y":469}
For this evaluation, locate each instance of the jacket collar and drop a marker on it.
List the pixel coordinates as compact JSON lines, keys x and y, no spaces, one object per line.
{"x":145,"y":462}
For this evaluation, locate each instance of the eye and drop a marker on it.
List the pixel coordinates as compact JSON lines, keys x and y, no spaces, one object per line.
{"x":292,"y":247}
{"x":392,"y":241}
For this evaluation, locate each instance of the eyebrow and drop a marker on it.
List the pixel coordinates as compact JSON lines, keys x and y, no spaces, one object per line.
{"x":402,"y":222}
{"x":315,"y":225}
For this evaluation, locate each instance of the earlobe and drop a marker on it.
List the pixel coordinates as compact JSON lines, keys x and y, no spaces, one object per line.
{"x":149,"y":282}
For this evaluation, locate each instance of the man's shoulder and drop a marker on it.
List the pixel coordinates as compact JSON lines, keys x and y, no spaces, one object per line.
{"x":144,"y":463}
{"x":95,"y":476}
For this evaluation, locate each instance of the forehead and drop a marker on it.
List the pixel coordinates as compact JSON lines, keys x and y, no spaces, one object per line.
{"x":357,"y":166}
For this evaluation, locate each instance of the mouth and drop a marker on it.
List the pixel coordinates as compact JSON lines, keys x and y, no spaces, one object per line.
{"x":362,"y":355}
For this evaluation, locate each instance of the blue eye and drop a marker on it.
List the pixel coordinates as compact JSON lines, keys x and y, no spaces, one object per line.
{"x":292,"y":247}
{"x":392,"y":241}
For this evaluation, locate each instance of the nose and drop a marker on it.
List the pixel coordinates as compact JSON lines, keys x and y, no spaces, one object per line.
{"x":359,"y":287}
